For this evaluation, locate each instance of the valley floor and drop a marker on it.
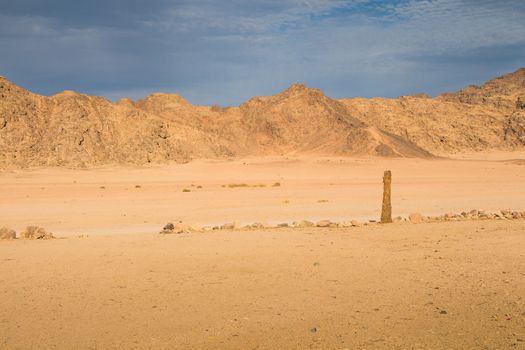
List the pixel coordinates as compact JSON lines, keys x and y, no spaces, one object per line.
{"x":110,"y":281}
{"x":142,"y":200}
{"x":447,"y":285}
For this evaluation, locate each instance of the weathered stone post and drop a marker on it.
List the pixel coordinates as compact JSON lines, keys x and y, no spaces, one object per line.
{"x":386,"y":212}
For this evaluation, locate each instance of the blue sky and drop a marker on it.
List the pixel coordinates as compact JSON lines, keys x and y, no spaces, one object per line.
{"x":224,"y":52}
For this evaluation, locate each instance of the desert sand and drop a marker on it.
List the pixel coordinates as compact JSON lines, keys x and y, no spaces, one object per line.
{"x":110,"y":280}
{"x":140,"y":200}
{"x":449,"y":285}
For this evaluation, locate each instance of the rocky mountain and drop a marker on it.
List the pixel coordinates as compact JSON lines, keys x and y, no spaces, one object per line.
{"x":476,"y":118}
{"x":71,"y":129}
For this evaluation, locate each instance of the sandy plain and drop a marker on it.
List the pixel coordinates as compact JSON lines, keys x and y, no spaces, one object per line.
{"x":112,"y":282}
{"x":141,"y":200}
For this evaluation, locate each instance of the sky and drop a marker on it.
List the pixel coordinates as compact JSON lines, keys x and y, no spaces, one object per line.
{"x":227,"y":51}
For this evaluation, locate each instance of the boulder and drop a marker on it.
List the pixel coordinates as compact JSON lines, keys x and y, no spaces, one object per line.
{"x":416,"y":218}
{"x":305,"y":223}
{"x":35,"y":232}
{"x":179,"y":227}
{"x":7,"y":233}
{"x":168,"y":228}
{"x":324,"y":223}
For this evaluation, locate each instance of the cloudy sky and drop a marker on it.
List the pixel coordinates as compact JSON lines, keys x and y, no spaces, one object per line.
{"x":224,"y":52}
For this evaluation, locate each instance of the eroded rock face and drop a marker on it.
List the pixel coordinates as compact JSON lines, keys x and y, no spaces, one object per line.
{"x":7,"y":233}
{"x":520,"y":103}
{"x":71,"y":129}
{"x":515,"y":128}
{"x":35,"y":232}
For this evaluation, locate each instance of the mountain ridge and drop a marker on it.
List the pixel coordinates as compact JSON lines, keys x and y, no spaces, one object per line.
{"x":79,"y":130}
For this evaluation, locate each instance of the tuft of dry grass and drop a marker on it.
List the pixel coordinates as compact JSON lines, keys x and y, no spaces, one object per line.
{"x":276,"y":184}
{"x":244,"y":185}
{"x":322,"y":201}
{"x":186,"y":190}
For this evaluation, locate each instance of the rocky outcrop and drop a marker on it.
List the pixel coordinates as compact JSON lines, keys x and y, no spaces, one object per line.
{"x":76,"y":130}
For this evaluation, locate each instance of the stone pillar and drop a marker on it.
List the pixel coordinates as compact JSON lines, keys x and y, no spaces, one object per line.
{"x":386,"y":212}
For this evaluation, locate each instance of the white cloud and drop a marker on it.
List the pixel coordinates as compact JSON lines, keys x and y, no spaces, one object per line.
{"x":236,"y":49}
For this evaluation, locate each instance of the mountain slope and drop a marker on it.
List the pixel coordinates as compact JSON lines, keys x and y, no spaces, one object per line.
{"x":71,"y":129}
{"x":472,"y":119}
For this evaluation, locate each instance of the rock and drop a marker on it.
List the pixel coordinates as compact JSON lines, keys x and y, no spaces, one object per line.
{"x":35,"y":232}
{"x":284,"y":224}
{"x":450,"y":216}
{"x":262,"y":225}
{"x":398,"y":219}
{"x":257,"y":225}
{"x":180,"y":227}
{"x":305,"y":223}
{"x":323,"y":223}
{"x":345,"y":224}
{"x":355,"y":223}
{"x":230,"y":226}
{"x":474,"y":212}
{"x":386,"y":210}
{"x":7,"y":233}
{"x":168,"y":227}
{"x":416,"y":218}
{"x":516,"y":215}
